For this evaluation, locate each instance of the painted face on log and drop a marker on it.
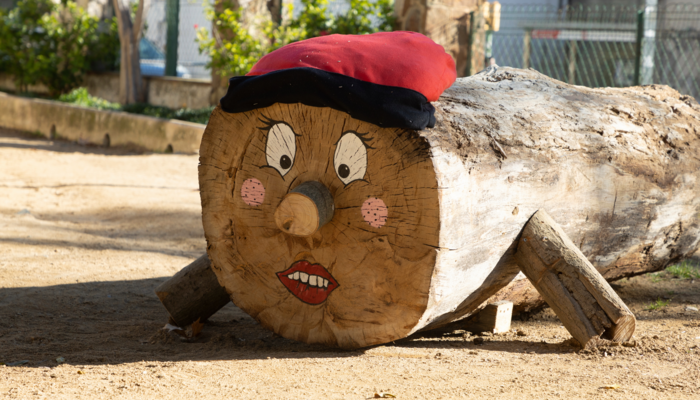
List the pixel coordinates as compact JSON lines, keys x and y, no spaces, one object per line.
{"x":320,"y":226}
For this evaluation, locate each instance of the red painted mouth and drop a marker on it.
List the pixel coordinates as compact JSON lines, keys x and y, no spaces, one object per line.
{"x":310,"y":283}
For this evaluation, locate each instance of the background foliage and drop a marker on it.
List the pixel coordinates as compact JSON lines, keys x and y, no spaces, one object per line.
{"x":234,"y":47}
{"x":53,"y":44}
{"x":81,"y":97}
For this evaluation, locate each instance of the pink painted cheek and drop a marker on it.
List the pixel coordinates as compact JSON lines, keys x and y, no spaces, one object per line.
{"x":375,"y":212}
{"x":253,"y":192}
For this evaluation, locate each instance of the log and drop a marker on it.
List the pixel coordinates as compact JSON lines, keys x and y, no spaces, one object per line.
{"x":426,"y":223}
{"x":193,"y":293}
{"x":585,"y":303}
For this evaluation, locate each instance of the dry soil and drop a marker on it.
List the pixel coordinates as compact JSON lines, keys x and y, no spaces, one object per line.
{"x":86,"y":234}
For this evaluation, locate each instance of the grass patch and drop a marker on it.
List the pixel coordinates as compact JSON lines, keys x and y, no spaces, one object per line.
{"x":81,"y":97}
{"x":684,"y":270}
{"x":657,"y":304}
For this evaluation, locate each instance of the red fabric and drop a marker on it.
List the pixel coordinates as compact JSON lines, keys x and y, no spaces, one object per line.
{"x":404,"y":59}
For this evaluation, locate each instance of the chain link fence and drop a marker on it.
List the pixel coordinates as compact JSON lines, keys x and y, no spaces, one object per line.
{"x":601,"y":46}
{"x":190,"y":64}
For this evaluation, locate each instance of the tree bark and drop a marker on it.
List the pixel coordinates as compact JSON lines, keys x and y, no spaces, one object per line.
{"x":130,"y":82}
{"x":428,"y":235}
{"x":618,"y":168}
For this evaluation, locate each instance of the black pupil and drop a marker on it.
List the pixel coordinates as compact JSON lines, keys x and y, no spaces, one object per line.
{"x":343,"y":171}
{"x":285,"y":162}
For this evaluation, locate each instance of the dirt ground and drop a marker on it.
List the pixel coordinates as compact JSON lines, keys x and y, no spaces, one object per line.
{"x":86,"y":234}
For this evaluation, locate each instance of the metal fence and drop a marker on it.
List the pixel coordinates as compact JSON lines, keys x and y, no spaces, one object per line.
{"x":191,"y":17}
{"x":600,"y":46}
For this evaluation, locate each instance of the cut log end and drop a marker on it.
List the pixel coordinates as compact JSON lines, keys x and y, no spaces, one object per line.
{"x":586,"y":304}
{"x":622,"y":330}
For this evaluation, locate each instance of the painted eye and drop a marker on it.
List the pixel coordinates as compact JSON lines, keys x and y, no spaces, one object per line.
{"x":350,"y":160}
{"x":281,"y":148}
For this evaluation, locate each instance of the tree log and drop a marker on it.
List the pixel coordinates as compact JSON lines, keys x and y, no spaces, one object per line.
{"x":193,"y":293}
{"x":426,"y":222}
{"x":587,"y":306}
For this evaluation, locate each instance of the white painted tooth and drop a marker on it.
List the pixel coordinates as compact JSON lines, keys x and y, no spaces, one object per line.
{"x":290,"y":276}
{"x":296,"y":276}
{"x":325,"y":283}
{"x":313,"y":280}
{"x":304,"y":277}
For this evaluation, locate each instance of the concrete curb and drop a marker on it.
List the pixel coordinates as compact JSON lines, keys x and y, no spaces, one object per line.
{"x":89,"y":125}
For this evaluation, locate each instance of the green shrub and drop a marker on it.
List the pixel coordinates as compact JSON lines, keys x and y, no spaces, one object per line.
{"x":53,"y":44}
{"x":23,"y":39}
{"x":104,"y":55}
{"x":81,"y":97}
{"x":237,"y":56}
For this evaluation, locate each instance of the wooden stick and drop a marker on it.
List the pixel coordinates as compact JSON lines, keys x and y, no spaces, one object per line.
{"x":576,"y":291}
{"x":193,"y":293}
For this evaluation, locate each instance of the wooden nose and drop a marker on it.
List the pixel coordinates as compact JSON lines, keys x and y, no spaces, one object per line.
{"x":305,"y":209}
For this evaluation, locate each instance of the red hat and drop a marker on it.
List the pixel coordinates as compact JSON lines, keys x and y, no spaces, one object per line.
{"x":385,"y":78}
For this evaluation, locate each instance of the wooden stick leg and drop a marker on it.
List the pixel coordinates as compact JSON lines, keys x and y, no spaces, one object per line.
{"x":586,"y":304}
{"x":193,"y":293}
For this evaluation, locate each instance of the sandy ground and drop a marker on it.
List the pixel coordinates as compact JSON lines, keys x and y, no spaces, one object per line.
{"x":86,"y":234}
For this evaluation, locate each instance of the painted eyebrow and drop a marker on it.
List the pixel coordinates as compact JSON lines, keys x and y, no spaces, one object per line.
{"x":269,"y":123}
{"x":362,"y":136}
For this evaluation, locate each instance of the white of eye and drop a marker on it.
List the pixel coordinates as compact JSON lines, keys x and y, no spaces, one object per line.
{"x":281,"y":148}
{"x":350,"y":160}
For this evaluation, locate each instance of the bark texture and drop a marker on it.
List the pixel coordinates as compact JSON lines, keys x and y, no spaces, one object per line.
{"x":618,"y":169}
{"x":130,"y":84}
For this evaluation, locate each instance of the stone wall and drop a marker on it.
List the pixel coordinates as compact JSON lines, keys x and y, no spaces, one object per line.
{"x":86,"y":125}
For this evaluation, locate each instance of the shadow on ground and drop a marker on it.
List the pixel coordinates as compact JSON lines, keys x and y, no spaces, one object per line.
{"x":121,"y":321}
{"x":39,"y":142}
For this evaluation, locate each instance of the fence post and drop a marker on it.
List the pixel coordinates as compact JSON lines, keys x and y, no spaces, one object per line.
{"x":638,"y":48}
{"x":172,"y":12}
{"x":646,"y":44}
{"x":526,"y":48}
{"x":475,"y":60}
{"x":572,"y":61}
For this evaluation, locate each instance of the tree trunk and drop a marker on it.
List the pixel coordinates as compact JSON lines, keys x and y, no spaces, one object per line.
{"x":426,"y":233}
{"x":130,"y":83}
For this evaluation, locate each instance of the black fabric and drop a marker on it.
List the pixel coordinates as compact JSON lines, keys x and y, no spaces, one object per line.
{"x":385,"y":106}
